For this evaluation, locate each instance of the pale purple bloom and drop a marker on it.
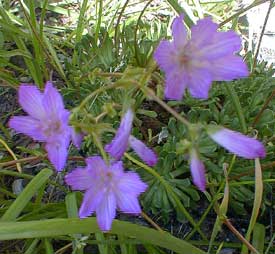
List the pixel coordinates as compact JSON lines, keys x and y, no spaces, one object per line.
{"x":123,"y":139}
{"x":77,"y":138}
{"x":197,"y":170}
{"x":196,"y":62}
{"x":47,"y":121}
{"x":237,"y":143}
{"x":106,"y":189}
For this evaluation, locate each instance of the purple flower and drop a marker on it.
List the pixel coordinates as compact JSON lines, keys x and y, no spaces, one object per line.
{"x":236,"y":142}
{"x":106,"y":188}
{"x":123,"y":139}
{"x":77,"y":138}
{"x":194,"y":63}
{"x":197,"y":170}
{"x":47,"y":121}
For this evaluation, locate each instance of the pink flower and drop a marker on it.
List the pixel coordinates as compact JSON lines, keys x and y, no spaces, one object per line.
{"x":196,"y":62}
{"x":237,"y":143}
{"x":47,"y":121}
{"x":106,"y":189}
{"x":123,"y":139}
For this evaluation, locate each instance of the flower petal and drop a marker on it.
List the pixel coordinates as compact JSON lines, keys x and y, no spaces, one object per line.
{"x":96,"y":164}
{"x":166,"y":55}
{"x":28,"y":126}
{"x":201,"y":33}
{"x":222,"y":44}
{"x":120,"y":142}
{"x":200,"y":81}
{"x":128,"y":203}
{"x":176,"y":82}
{"x":30,"y":98}
{"x":106,"y":211}
{"x":57,"y":154}
{"x":228,"y":68}
{"x":197,"y":171}
{"x":131,"y":183}
{"x":237,"y":143}
{"x":179,"y":32}
{"x":77,"y":138}
{"x":79,"y":179}
{"x":144,"y":152}
{"x":52,"y":100}
{"x":92,"y":199}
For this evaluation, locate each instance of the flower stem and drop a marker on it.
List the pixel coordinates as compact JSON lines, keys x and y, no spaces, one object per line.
{"x":155,"y":225}
{"x":239,"y":236}
{"x":235,"y":99}
{"x":100,"y":147}
{"x":169,"y":190}
{"x":243,"y":10}
{"x":151,"y":93}
{"x":18,"y":166}
{"x":262,"y":34}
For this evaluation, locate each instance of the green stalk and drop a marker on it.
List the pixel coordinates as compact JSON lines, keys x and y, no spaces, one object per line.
{"x":235,"y":99}
{"x":169,"y":190}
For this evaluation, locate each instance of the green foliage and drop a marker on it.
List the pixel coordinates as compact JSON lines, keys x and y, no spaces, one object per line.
{"x":101,"y":50}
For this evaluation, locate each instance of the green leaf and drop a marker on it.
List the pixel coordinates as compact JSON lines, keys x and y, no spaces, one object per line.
{"x":25,"y":196}
{"x":57,"y":227}
{"x":257,"y":202}
{"x":258,"y":240}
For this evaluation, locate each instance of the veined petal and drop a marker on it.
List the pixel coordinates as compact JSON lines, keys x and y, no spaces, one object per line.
{"x":179,"y":32}
{"x":128,"y":203}
{"x":201,"y":32}
{"x":79,"y":179}
{"x":130,"y":183}
{"x":228,"y":68}
{"x":106,"y":211}
{"x":120,"y":142}
{"x":200,"y":81}
{"x":92,"y":199}
{"x":166,"y":56}
{"x":237,"y":143}
{"x":145,"y":153}
{"x":176,"y":82}
{"x":30,"y":98}
{"x":96,"y":164}
{"x":57,"y":154}
{"x":221,"y":44}
{"x":52,"y":100}
{"x":28,"y":126}
{"x":197,"y":171}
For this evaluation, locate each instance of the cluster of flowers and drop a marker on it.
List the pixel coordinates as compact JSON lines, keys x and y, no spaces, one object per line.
{"x":193,"y":64}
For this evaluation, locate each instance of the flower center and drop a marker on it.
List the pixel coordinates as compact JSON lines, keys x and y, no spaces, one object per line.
{"x":52,"y":128}
{"x":183,"y":59}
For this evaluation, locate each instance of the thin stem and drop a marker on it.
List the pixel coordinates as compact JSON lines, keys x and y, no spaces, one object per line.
{"x":100,"y":147}
{"x":117,"y":25}
{"x":169,"y":190}
{"x":213,"y":200}
{"x":239,"y":236}
{"x":235,"y":99}
{"x":136,"y":29}
{"x":90,"y":96}
{"x":18,"y":166}
{"x":155,"y":225}
{"x":257,"y":118}
{"x":237,"y":14}
{"x":262,"y":34}
{"x":10,"y":163}
{"x":151,"y":93}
